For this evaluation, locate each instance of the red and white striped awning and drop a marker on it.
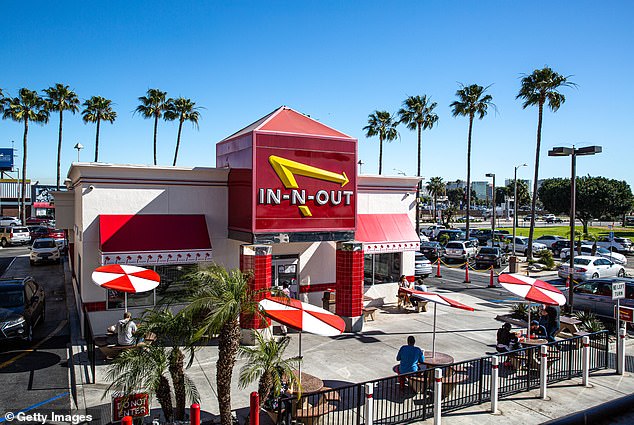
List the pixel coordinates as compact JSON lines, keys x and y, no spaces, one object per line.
{"x":532,"y":289}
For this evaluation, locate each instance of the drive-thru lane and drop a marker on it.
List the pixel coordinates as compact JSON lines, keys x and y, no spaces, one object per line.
{"x":35,"y":374}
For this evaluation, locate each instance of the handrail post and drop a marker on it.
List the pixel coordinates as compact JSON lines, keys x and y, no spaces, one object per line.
{"x":495,"y":383}
{"x":585,"y":360}
{"x":543,"y":371}
{"x":620,"y":361}
{"x":437,"y":395}
{"x":369,"y":404}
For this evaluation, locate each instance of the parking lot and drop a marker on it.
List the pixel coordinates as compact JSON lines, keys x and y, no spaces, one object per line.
{"x":36,"y":372}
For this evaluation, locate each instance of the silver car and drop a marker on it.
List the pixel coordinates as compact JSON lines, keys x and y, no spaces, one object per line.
{"x":588,"y":267}
{"x":422,"y":266}
{"x":595,"y":296}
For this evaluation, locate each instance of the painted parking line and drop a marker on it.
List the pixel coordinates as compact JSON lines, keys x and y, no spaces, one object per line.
{"x":59,"y":327}
{"x":35,"y":406}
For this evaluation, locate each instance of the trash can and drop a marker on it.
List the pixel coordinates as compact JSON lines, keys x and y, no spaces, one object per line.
{"x":512,"y":264}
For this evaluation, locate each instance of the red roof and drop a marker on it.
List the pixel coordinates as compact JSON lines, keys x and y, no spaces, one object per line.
{"x":286,"y":120}
{"x":377,"y":228}
{"x":152,"y":232}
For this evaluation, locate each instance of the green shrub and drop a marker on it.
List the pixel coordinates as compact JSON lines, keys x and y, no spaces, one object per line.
{"x":589,"y":321}
{"x":546,"y":258}
{"x":444,"y":238}
{"x":520,"y":311}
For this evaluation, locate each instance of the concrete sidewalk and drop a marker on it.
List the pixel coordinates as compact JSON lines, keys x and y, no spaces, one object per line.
{"x":353,"y":358}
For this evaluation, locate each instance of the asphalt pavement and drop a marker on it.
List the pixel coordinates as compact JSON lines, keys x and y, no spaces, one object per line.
{"x":34,"y":376}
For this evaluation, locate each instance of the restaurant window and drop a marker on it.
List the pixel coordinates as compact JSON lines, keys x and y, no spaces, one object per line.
{"x":171,"y":289}
{"x":381,"y":268}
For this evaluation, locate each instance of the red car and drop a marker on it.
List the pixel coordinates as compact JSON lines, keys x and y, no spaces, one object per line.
{"x":59,"y":236}
{"x":37,"y":221}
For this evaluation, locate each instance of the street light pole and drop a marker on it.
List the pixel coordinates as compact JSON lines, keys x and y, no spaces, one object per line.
{"x":515,"y":203}
{"x":493,"y":217}
{"x":573,"y":152}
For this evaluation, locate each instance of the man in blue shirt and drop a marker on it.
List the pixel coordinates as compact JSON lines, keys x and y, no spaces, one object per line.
{"x":410,"y":356}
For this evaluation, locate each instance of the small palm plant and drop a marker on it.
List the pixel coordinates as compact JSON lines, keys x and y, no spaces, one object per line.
{"x":265,"y":364}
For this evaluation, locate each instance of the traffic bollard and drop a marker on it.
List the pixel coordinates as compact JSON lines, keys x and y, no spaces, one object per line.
{"x":437,"y":395}
{"x":585,"y":361}
{"x":543,"y":371}
{"x":127,"y":420}
{"x":620,"y":361}
{"x":369,"y":405}
{"x":194,"y":414}
{"x":254,"y":411}
{"x":495,"y":383}
{"x":466,"y":273}
{"x":438,"y":268}
{"x":491,"y":284}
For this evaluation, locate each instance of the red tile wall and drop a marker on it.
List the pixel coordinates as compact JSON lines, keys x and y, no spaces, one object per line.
{"x":349,"y":283}
{"x":260,"y":268}
{"x":95,"y":306}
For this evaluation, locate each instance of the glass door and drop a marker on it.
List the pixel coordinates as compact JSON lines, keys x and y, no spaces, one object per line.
{"x":286,"y":271}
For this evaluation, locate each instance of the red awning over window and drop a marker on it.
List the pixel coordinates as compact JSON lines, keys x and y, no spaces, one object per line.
{"x":386,"y":233}
{"x":153,"y":239}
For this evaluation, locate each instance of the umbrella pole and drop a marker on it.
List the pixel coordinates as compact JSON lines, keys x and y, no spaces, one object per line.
{"x":300,"y":358}
{"x":433,"y":338}
{"x":528,"y":326}
{"x":125,"y":302}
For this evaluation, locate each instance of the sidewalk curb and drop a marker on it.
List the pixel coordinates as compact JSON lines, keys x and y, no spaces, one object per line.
{"x":602,"y":414}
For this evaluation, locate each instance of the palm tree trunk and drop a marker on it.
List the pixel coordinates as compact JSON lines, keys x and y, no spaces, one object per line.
{"x":468,"y":189}
{"x":97,"y":141}
{"x":228,"y":343}
{"x":155,"y":132}
{"x":435,"y":207}
{"x":59,"y":146}
{"x":177,"y":373}
{"x":264,"y":386}
{"x":23,"y":195}
{"x":178,"y":140}
{"x":164,"y":397}
{"x":536,"y":176}
{"x":418,"y":186}
{"x":380,"y":154}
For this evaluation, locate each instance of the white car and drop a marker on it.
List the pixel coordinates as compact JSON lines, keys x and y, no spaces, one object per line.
{"x":615,"y":244}
{"x":615,"y":257}
{"x":422,"y":266}
{"x":549,"y":240}
{"x":588,"y":267}
{"x":521,"y":245}
{"x":432,"y":230}
{"x":44,"y":250}
{"x":461,"y":250}
{"x":10,"y":221}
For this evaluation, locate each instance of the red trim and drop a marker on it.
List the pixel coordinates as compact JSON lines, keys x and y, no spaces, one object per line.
{"x":495,"y":366}
{"x":152,"y":232}
{"x":438,"y":379}
{"x":95,"y":306}
{"x":317,"y":287}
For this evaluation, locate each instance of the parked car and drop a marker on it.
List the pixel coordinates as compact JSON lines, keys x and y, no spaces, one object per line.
{"x":60,"y":238}
{"x":422,"y":266}
{"x":14,"y":235}
{"x":461,"y":250}
{"x":549,"y":240}
{"x":432,"y":230}
{"x":10,"y":221}
{"x":615,"y":244}
{"x":557,"y":246}
{"x":551,"y":218}
{"x":521,"y":245}
{"x":588,"y":267}
{"x":615,"y":257}
{"x":37,"y":232}
{"x":453,"y":234}
{"x":37,"y":220}
{"x":44,"y":250}
{"x":489,"y":256}
{"x":528,"y":217}
{"x":432,"y":250}
{"x":595,"y":296}
{"x":22,"y":307}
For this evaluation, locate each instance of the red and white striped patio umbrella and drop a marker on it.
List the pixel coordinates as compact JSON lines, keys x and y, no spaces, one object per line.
{"x":303,"y":317}
{"x":126,"y":279}
{"x":532,"y":290}
{"x":442,"y":300}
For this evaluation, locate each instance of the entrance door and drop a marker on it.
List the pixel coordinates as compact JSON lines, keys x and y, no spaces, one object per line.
{"x":285,"y":270}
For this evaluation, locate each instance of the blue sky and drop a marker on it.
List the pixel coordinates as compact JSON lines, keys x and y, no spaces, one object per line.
{"x":337,"y":61}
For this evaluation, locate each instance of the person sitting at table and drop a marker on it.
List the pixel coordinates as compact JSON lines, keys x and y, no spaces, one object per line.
{"x":420,"y":285}
{"x":506,"y":340}
{"x":537,"y":330}
{"x":404,"y":283}
{"x":126,"y":329}
{"x":410,"y":356}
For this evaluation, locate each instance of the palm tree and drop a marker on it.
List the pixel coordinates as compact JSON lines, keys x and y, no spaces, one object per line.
{"x":97,"y":109}
{"x":381,"y":123}
{"x":539,"y":88}
{"x":436,"y":187}
{"x":28,"y":106}
{"x":472,"y":102}
{"x":218,"y":298}
{"x":182,"y":109}
{"x":265,"y":363}
{"x":418,"y":115}
{"x":174,"y":332}
{"x":144,"y":366}
{"x":154,"y":106}
{"x":61,"y":98}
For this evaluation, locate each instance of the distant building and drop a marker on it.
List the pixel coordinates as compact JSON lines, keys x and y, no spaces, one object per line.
{"x":458,"y":184}
{"x":482,"y":190}
{"x":10,"y":196}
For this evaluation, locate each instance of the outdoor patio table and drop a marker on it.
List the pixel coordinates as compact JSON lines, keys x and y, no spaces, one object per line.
{"x":533,"y":341}
{"x":439,"y":359}
{"x":310,"y":383}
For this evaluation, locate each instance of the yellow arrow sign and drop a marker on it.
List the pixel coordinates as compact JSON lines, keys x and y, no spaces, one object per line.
{"x":287,"y":169}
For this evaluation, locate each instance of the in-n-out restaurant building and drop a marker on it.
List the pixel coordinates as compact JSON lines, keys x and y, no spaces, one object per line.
{"x":285,"y":202}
